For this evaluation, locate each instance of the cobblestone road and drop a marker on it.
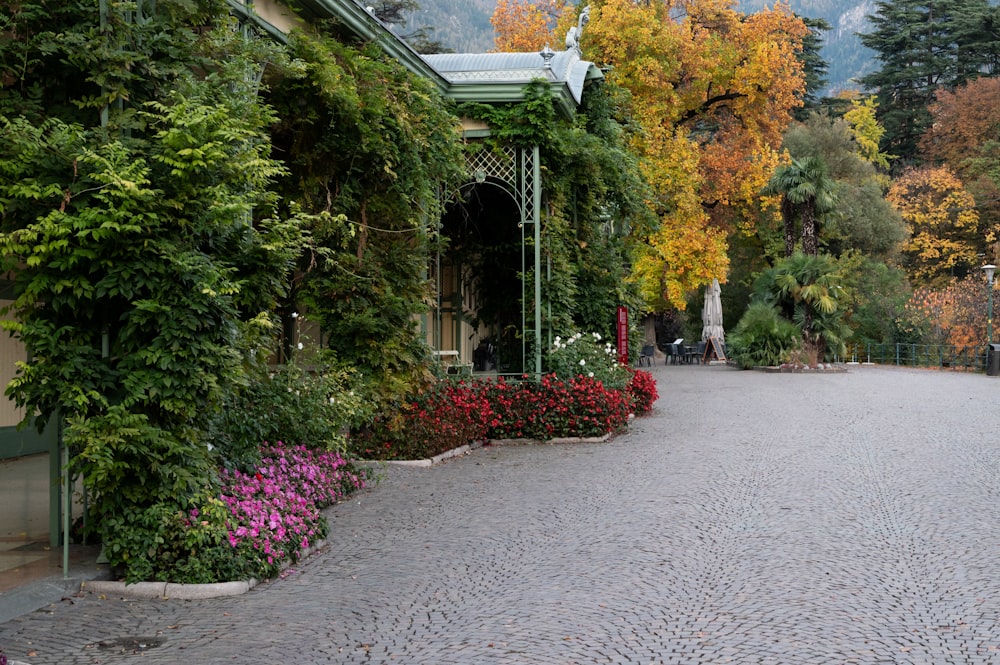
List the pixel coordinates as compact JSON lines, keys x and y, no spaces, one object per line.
{"x":754,"y":518}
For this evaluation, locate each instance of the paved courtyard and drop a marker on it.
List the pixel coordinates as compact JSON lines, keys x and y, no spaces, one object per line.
{"x":753,"y":518}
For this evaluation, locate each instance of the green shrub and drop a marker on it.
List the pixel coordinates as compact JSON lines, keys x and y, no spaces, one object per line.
{"x":290,"y":404}
{"x":762,"y":338}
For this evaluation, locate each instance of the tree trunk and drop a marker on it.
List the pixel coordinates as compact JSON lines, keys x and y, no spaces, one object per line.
{"x":788,"y":216}
{"x":810,"y":246}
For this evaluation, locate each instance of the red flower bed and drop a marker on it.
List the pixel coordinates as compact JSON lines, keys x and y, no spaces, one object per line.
{"x":555,"y":408}
{"x":642,"y":392}
{"x":451,"y":414}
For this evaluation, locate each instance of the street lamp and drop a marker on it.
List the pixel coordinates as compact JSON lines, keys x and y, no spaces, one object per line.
{"x":989,"y":270}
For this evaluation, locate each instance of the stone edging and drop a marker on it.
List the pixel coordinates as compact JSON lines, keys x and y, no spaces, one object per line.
{"x":172,"y":590}
{"x":465,"y":450}
{"x":167,"y":590}
{"x":824,"y":369}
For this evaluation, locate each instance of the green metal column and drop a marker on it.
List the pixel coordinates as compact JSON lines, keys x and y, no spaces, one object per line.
{"x":536,"y":176}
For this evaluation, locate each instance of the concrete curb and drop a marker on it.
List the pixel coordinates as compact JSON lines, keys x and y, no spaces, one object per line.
{"x":172,"y":590}
{"x":430,"y":461}
{"x":822,"y":369}
{"x":562,"y":439}
{"x":168,"y":590}
{"x":465,"y":450}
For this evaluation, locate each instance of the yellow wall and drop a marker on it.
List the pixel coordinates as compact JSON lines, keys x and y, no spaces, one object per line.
{"x":278,"y":15}
{"x":11,"y":351}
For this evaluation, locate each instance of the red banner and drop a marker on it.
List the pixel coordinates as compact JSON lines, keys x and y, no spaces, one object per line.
{"x":622,"y":335}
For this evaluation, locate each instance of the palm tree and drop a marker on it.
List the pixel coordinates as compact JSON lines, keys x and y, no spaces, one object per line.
{"x":807,"y":193}
{"x":806,"y":290}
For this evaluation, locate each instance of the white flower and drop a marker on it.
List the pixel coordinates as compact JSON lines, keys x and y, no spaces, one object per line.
{"x":597,"y":336}
{"x":299,"y":345}
{"x":590,"y":374}
{"x":332,"y":401}
{"x":582,"y":362}
{"x":295,"y":315}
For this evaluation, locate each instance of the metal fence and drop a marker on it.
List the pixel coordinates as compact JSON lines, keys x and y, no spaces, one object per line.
{"x":968,"y":358}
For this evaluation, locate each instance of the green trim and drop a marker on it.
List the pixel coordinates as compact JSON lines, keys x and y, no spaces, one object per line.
{"x":246,"y":13}
{"x":27,"y":441}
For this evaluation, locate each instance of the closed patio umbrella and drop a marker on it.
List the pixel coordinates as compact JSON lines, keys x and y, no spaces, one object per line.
{"x":711,"y":315}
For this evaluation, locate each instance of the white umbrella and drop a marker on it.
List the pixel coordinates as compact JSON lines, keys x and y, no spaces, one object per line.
{"x":711,"y":315}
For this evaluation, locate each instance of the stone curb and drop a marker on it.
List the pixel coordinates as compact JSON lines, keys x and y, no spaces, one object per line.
{"x":825,"y":369}
{"x":172,"y":590}
{"x":167,"y":590}
{"x":562,"y":439}
{"x":465,"y":450}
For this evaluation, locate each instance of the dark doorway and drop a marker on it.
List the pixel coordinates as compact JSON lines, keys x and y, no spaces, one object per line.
{"x":484,"y":249}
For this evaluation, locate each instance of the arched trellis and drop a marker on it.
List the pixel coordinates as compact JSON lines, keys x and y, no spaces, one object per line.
{"x":517,"y":171}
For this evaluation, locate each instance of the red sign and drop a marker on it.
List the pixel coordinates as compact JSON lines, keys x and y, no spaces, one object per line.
{"x":622,"y":335}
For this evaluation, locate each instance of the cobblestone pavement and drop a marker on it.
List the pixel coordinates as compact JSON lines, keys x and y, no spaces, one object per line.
{"x":754,"y":518}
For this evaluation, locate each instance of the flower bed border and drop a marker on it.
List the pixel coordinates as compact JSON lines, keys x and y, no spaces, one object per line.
{"x":177,"y":591}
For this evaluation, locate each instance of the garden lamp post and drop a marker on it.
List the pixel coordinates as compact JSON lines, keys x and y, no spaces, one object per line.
{"x":989,"y":270}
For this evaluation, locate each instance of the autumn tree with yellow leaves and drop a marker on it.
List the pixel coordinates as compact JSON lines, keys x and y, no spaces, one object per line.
{"x":712,"y":90}
{"x":521,"y":25}
{"x":941,"y":216}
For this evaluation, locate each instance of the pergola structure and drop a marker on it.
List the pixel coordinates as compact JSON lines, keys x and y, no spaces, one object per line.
{"x":510,"y":178}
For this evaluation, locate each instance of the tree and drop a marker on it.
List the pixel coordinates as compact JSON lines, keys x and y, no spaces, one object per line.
{"x":862,"y":219}
{"x":806,"y":192}
{"x":711,"y":93}
{"x":808,"y":290}
{"x":526,"y":25}
{"x":943,"y":224}
{"x":867,"y":131}
{"x":814,"y":68}
{"x":965,"y":136}
{"x":923,"y":46}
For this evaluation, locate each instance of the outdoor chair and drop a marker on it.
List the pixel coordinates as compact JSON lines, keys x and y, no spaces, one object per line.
{"x":646,"y":356}
{"x":699,"y":352}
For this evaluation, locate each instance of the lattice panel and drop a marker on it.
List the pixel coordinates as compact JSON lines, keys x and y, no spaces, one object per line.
{"x":489,"y":163}
{"x":527,"y":187}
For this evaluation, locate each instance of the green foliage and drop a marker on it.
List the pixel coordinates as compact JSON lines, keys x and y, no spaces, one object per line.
{"x":526,"y":124}
{"x":762,"y":338}
{"x":861,"y":218}
{"x":373,"y":146}
{"x":809,"y":291}
{"x":876,"y":299}
{"x":292,"y":404}
{"x":136,"y":262}
{"x":163,"y":542}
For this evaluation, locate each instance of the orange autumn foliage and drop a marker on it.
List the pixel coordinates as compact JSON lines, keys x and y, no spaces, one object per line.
{"x":713,"y":90}
{"x":522,"y":25}
{"x":956,"y":313}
